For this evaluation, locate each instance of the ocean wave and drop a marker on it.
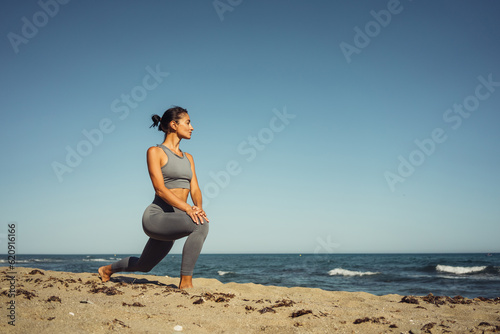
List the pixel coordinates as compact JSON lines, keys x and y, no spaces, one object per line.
{"x":345,"y":272}
{"x":32,"y":260}
{"x":460,"y":270}
{"x":95,"y":260}
{"x":222,"y":273}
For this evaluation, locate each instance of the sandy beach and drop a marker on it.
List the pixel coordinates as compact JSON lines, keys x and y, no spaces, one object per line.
{"x":61,"y":302}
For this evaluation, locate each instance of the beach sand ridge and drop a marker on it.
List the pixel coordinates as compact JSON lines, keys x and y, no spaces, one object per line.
{"x":61,"y":302}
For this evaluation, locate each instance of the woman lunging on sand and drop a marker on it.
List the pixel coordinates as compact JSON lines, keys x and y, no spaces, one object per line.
{"x":169,"y":217}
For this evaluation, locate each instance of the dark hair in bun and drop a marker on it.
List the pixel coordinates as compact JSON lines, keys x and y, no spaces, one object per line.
{"x":163,"y":123}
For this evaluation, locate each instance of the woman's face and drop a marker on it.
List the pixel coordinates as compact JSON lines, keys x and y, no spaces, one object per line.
{"x":184,"y":127}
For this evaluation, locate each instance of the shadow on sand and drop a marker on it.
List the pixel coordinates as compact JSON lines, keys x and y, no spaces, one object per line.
{"x":132,"y":280}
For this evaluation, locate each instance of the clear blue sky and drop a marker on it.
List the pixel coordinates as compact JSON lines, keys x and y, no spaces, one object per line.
{"x":346,"y":126}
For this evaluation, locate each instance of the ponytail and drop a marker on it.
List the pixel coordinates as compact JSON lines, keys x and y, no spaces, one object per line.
{"x":156,"y":122}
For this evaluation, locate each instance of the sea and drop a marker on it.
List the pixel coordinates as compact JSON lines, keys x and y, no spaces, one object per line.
{"x":467,"y":275}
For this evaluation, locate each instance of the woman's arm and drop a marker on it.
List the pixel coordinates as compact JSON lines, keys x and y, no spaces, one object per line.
{"x":154,"y":168}
{"x":195,"y":191}
{"x":195,"y":188}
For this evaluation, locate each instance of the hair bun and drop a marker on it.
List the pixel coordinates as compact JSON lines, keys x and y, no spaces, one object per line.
{"x":156,"y":121}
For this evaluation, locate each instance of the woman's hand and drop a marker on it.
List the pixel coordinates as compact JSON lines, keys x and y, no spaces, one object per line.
{"x":197,"y":214}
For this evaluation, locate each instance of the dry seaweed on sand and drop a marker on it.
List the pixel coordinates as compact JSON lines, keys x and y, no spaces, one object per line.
{"x":53,"y":299}
{"x":217,"y":297}
{"x":409,"y":300}
{"x":36,"y":271}
{"x":300,"y":313}
{"x":27,"y":294}
{"x":267,"y":310}
{"x":110,"y":291}
{"x":284,"y":302}
{"x":442,"y":300}
{"x":379,"y":320}
{"x":136,"y":304}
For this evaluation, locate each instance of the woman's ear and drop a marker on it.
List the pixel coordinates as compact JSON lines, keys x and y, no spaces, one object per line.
{"x":173,"y":125}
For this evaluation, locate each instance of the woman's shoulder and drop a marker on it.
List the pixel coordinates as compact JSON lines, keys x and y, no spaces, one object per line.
{"x":155,"y":150}
{"x":156,"y":155}
{"x":190,"y":157}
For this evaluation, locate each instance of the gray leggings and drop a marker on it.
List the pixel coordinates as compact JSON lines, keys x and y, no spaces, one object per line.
{"x":164,"y":224}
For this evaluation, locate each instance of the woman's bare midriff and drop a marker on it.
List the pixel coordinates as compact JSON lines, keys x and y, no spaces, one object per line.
{"x":181,"y":193}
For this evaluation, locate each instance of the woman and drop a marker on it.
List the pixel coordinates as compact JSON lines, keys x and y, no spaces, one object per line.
{"x":169,"y":217}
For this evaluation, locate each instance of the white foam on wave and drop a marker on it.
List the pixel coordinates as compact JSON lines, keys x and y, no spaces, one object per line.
{"x":95,"y":260}
{"x":459,"y":270}
{"x":222,"y":273}
{"x":345,"y":272}
{"x":31,"y":260}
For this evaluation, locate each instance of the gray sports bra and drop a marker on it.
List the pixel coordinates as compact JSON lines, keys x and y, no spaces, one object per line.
{"x":177,"y":171}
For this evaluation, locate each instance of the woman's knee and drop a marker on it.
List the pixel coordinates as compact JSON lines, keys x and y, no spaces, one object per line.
{"x":145,"y":265}
{"x":203,"y":229}
{"x":146,"y":269}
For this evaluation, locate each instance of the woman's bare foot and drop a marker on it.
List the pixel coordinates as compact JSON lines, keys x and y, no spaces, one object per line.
{"x":186,"y":282}
{"x":105,"y":272}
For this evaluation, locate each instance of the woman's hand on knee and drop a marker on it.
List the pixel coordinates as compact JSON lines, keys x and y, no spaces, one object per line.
{"x":200,"y":212}
{"x":197,"y":214}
